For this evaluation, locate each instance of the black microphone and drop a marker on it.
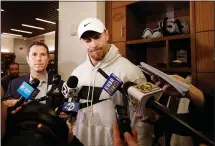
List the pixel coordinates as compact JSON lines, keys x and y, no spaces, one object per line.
{"x":71,"y":103}
{"x":26,"y":90}
{"x":54,"y":91}
{"x":56,"y":79}
{"x":147,"y":95}
{"x":69,"y":88}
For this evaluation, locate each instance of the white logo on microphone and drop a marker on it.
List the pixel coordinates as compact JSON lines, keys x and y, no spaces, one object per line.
{"x":64,"y":90}
{"x":72,"y":93}
{"x":70,"y":106}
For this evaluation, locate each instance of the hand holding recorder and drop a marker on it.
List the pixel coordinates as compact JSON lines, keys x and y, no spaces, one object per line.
{"x":129,"y":139}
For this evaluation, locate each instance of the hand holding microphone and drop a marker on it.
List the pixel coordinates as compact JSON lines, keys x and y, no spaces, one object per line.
{"x":53,"y":92}
{"x":71,"y":103}
{"x":151,"y":101}
{"x":26,"y":90}
{"x":10,"y":102}
{"x":137,"y":95}
{"x":146,"y":95}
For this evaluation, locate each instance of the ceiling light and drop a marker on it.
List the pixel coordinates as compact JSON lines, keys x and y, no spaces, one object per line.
{"x":21,"y":31}
{"x":32,"y":26}
{"x":2,"y":10}
{"x":45,"y":21}
{"x":12,"y":34}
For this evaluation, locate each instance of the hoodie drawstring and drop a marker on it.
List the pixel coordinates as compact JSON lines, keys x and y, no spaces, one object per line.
{"x":93,"y":91}
{"x":88,"y":94}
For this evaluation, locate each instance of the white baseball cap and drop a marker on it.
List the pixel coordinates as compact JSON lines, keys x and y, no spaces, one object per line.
{"x":90,"y":24}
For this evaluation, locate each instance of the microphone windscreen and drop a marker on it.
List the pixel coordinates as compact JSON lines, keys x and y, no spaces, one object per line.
{"x":35,"y":82}
{"x":56,"y":79}
{"x":72,"y":82}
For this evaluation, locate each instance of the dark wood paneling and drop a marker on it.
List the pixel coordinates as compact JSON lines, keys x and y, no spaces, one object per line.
{"x":120,"y":4}
{"x":143,"y":10}
{"x":131,"y":23}
{"x":122,"y":48}
{"x":56,"y":46}
{"x":167,"y":53}
{"x":205,"y":81}
{"x":119,"y":24}
{"x":193,"y":41}
{"x":108,"y":20}
{"x":205,"y":16}
{"x":205,"y":44}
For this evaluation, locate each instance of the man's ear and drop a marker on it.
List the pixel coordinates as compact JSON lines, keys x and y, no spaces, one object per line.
{"x":27,"y":59}
{"x":106,"y":35}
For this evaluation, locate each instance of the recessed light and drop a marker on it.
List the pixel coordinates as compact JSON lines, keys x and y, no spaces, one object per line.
{"x":26,"y":25}
{"x":45,"y":21}
{"x":12,"y":34}
{"x":21,"y":31}
{"x":2,"y":10}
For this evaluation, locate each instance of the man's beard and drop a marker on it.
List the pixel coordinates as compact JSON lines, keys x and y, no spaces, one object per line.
{"x":14,"y":75}
{"x":97,"y":57}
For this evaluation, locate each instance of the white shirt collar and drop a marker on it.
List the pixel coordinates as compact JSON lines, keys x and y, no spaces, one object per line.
{"x":41,"y":81}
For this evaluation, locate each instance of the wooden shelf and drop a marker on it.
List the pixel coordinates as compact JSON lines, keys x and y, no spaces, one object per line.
{"x":185,"y":69}
{"x":175,"y":37}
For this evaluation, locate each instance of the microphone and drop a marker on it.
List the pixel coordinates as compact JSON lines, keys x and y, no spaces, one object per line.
{"x":71,"y":108}
{"x":54,"y":91}
{"x":112,"y":84}
{"x":141,"y":93}
{"x":146,"y":95}
{"x":71,"y":103}
{"x":26,"y":91}
{"x":69,"y":88}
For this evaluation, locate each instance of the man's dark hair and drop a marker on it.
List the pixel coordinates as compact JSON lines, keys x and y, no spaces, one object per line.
{"x":90,"y":35}
{"x":38,"y":44}
{"x":13,"y":64}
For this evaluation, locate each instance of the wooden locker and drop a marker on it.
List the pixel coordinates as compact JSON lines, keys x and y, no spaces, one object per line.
{"x":122,"y":48}
{"x":205,"y":44}
{"x":119,"y":24}
{"x":120,"y":4}
{"x":205,"y":81}
{"x":205,"y":16}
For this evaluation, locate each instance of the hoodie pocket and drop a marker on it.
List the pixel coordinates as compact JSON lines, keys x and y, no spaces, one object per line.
{"x":91,"y":132}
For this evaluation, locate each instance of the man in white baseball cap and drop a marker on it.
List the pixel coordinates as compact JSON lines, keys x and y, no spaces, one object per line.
{"x":90,"y":24}
{"x":94,"y":125}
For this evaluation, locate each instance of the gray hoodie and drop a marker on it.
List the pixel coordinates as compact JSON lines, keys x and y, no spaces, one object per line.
{"x":94,"y":124}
